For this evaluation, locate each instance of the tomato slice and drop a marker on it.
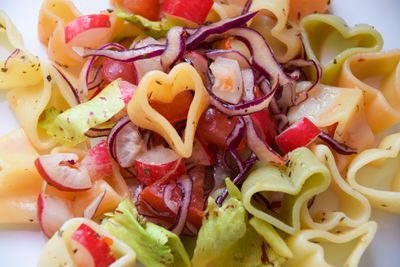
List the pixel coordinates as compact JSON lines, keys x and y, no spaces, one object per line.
{"x":153,"y":194}
{"x":114,"y":69}
{"x":301,"y":8}
{"x":177,"y":110}
{"x":149,"y":9}
{"x":194,"y":10}
{"x":214,"y":127}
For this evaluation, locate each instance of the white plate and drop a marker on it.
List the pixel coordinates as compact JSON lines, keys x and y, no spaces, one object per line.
{"x":21,"y":247}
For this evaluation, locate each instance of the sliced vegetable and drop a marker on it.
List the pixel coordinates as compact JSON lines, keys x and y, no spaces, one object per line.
{"x":300,"y":134}
{"x":336,"y":145}
{"x":48,"y":115}
{"x":202,"y":154}
{"x":90,"y":249}
{"x":175,"y":47}
{"x":194,"y":11}
{"x":84,"y":29}
{"x":114,"y":69}
{"x":92,"y":208}
{"x":52,"y":213}
{"x":159,"y":164}
{"x":149,"y":9}
{"x":70,"y":126}
{"x":98,"y":161}
{"x":185,"y":184}
{"x":154,"y":245}
{"x":62,"y":171}
{"x":265,"y":125}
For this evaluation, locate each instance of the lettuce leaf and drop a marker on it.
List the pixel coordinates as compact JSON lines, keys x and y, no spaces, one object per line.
{"x":69,"y":127}
{"x":154,"y":245}
{"x":155,"y":29}
{"x":47,"y":117}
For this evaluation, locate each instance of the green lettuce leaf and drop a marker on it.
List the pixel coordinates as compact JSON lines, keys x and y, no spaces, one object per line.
{"x":154,"y":245}
{"x":155,"y":29}
{"x":48,"y":115}
{"x":226,"y":238}
{"x":70,"y":126}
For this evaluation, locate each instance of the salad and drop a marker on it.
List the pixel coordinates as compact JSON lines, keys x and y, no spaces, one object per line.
{"x":200,"y":133}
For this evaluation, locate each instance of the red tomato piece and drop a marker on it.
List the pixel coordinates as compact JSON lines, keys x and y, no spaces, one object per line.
{"x":264,"y":125}
{"x":84,"y":24}
{"x":149,"y":9}
{"x":214,"y":127}
{"x":194,"y":10}
{"x":300,"y":134}
{"x":114,"y":69}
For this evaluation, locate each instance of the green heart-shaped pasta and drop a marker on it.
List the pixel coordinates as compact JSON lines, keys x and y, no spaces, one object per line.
{"x":329,"y":41}
{"x":300,"y":179}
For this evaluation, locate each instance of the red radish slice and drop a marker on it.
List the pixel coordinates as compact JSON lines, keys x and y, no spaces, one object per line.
{"x":86,"y":29}
{"x":300,"y":134}
{"x":92,"y":208}
{"x":127,"y":91}
{"x":90,"y":249}
{"x":202,"y":154}
{"x":159,"y":164}
{"x":61,"y":170}
{"x":52,"y":213}
{"x":199,"y":62}
{"x":125,"y":142}
{"x":98,"y":161}
{"x":194,"y":10}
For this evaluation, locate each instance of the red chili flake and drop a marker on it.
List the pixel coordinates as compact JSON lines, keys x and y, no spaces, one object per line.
{"x":361,"y":59}
{"x":103,"y":98}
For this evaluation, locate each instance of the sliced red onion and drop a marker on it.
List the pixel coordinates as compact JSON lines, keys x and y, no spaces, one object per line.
{"x":73,"y":89}
{"x":222,"y":26}
{"x":190,"y":230}
{"x":232,"y":54}
{"x":200,"y":63}
{"x":92,"y":208}
{"x":175,"y":47}
{"x":167,"y":198}
{"x":305,"y":63}
{"x":245,"y":108}
{"x":125,"y":142}
{"x":98,"y":132}
{"x":262,"y":150}
{"x":247,"y":6}
{"x":13,"y":54}
{"x":248,"y":85}
{"x":258,"y":197}
{"x":153,"y":212}
{"x":336,"y":145}
{"x":185,"y":184}
{"x":263,"y":58}
{"x":236,"y":135}
{"x":130,"y":55}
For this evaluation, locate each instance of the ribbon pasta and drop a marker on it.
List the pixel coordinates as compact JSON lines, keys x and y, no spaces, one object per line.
{"x":303,"y":177}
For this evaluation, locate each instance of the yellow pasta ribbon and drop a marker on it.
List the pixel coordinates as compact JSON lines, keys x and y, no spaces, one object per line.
{"x":339,"y":205}
{"x":302,"y":178}
{"x":58,"y":251}
{"x":22,"y":68}
{"x":375,"y":174}
{"x":323,"y":249}
{"x":158,"y":86}
{"x":329,"y":41}
{"x":378,"y":76}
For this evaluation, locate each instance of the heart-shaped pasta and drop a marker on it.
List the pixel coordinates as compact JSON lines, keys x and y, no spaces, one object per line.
{"x":158,"y":86}
{"x":58,"y":251}
{"x":272,"y":22}
{"x":301,"y":178}
{"x":329,"y":41}
{"x":378,"y":76}
{"x":18,"y":67}
{"x":339,"y":205}
{"x":375,"y":174}
{"x":323,"y":249}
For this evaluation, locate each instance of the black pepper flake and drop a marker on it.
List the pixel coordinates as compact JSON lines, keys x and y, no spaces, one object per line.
{"x":289,"y":26}
{"x":107,"y":24}
{"x":75,"y":250}
{"x":384,"y":205}
{"x":4,"y":69}
{"x":48,"y":77}
{"x":298,"y":15}
{"x":329,"y":2}
{"x":2,"y":26}
{"x":230,"y":117}
{"x":158,"y":82}
{"x":146,"y":171}
{"x":31,"y":220}
{"x":334,"y":61}
{"x":109,"y":10}
{"x":60,"y":233}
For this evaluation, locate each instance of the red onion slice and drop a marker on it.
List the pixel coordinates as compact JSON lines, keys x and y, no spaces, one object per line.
{"x":92,"y":208}
{"x":186,"y":186}
{"x":336,"y":145}
{"x":98,"y":132}
{"x":73,"y":89}
{"x":167,"y":198}
{"x":175,"y":47}
{"x":13,"y":54}
{"x":247,"y":6}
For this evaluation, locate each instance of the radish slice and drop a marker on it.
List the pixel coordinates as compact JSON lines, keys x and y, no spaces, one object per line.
{"x":125,"y":142}
{"x":300,"y":134}
{"x":90,"y":249}
{"x":92,"y":208}
{"x":202,"y":154}
{"x":98,"y":161}
{"x":52,"y":213}
{"x":185,"y":183}
{"x":200,"y":63}
{"x":159,"y":164}
{"x":87,"y":28}
{"x":228,"y":82}
{"x":61,"y":170}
